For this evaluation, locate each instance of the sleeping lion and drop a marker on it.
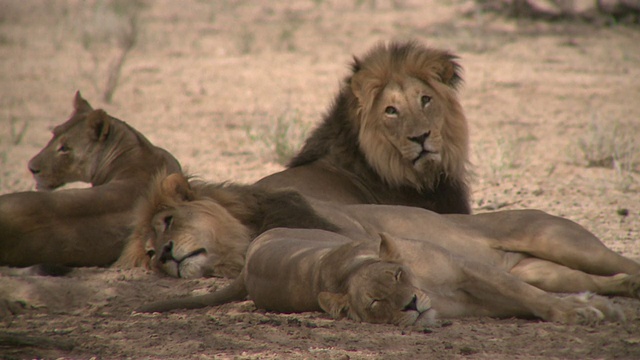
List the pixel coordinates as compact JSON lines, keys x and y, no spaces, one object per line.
{"x":394,"y":281}
{"x":202,"y":229}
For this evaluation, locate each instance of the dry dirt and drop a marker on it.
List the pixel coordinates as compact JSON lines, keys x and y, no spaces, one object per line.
{"x":216,"y":82}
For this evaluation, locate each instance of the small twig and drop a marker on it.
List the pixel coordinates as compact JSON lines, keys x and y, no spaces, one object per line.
{"x":127,"y":41}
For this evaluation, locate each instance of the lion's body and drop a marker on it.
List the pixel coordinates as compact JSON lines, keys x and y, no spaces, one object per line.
{"x":396,"y":134}
{"x":80,"y":227}
{"x":548,"y":252}
{"x":288,"y":270}
{"x":296,"y":270}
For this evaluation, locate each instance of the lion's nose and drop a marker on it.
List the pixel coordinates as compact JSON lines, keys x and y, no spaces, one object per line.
{"x":412,"y":305}
{"x":420,"y":139}
{"x":166,"y":254}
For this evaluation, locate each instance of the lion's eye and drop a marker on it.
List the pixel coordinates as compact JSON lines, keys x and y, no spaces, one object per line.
{"x":63,"y":148}
{"x":425,"y":100}
{"x":373,"y":304}
{"x":398,"y":274}
{"x":151,"y":253}
{"x":168,"y":220}
{"x":390,"y":110}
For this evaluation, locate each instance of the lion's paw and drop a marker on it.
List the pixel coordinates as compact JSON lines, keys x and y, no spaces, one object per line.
{"x":633,"y":284}
{"x":584,"y":315}
{"x":590,"y":309}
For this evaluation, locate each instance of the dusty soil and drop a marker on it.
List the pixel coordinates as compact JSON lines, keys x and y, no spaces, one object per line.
{"x":554,"y":116}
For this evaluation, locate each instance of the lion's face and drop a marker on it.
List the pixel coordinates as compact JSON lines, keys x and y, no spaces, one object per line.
{"x":408,"y":116}
{"x":381,"y":293}
{"x":411,"y":125}
{"x":380,"y":289}
{"x":196,"y":237}
{"x":69,"y":155}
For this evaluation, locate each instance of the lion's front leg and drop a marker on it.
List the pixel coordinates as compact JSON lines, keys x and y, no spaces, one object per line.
{"x":500,"y":290}
{"x":553,"y":277}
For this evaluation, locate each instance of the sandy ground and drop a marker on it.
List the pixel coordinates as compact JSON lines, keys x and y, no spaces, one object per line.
{"x":554,"y":117}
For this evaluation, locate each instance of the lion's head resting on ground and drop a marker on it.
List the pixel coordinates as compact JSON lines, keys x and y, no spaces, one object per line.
{"x":364,"y":281}
{"x":190,"y":228}
{"x":379,"y":290}
{"x":185,"y":234}
{"x":411,"y":125}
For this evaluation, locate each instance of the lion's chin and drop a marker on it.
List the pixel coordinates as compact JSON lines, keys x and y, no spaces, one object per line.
{"x":426,"y":318}
{"x":41,"y":186}
{"x":193,"y":267}
{"x":426,"y":160}
{"x":190,"y":268}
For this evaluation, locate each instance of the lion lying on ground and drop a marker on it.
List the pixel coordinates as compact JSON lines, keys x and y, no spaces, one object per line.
{"x":228,"y":224}
{"x":80,"y":227}
{"x":396,"y":134}
{"x":192,"y":223}
{"x":293,"y":270}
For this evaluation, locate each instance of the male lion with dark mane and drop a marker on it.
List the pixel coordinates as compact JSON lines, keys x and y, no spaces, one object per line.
{"x":80,"y":227}
{"x":396,"y":134}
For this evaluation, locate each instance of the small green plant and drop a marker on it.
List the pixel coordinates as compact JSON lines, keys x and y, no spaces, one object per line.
{"x":17,"y":132}
{"x":246,"y":41}
{"x":292,"y":22}
{"x":284,"y":138}
{"x":498,"y":158}
{"x":611,"y":145}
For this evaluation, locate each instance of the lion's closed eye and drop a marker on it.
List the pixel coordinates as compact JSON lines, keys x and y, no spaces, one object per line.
{"x":63,"y":148}
{"x":168,"y":220}
{"x":398,"y":275}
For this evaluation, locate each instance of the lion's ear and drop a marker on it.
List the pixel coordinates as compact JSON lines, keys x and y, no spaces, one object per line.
{"x":336,"y":305}
{"x":449,"y":71}
{"x":81,"y":105}
{"x":177,"y":187}
{"x":388,"y":249}
{"x":99,"y":125}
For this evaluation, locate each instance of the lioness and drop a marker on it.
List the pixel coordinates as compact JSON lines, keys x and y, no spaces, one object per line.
{"x":396,"y":134}
{"x":191,"y":223}
{"x":80,"y":227}
{"x":293,"y":270}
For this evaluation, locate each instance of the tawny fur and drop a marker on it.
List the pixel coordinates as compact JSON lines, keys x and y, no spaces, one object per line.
{"x":348,"y":158}
{"x":80,"y":227}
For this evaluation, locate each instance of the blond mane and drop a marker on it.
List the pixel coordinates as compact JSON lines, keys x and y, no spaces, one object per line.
{"x":437,"y":69}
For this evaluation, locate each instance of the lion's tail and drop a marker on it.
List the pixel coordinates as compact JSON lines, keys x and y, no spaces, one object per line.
{"x":236,"y":291}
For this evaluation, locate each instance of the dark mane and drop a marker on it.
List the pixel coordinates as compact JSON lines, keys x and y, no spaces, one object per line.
{"x":336,"y":144}
{"x":335,"y":134}
{"x":261,"y":209}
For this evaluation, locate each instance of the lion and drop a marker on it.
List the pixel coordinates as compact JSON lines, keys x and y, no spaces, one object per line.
{"x":229,"y":221}
{"x":396,"y":134}
{"x":80,"y":227}
{"x":299,"y":270}
{"x":548,"y":252}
